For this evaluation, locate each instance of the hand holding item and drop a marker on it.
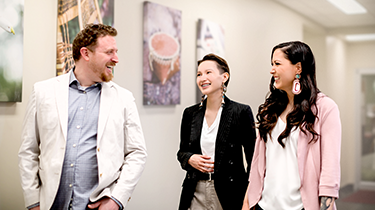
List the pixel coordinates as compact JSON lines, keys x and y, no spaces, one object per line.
{"x":202,"y":163}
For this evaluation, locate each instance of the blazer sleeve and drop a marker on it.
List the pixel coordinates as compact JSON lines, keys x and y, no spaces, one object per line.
{"x":330,"y":138}
{"x":184,"y":153}
{"x":28,"y":154}
{"x":248,"y":129}
{"x":135,"y":155}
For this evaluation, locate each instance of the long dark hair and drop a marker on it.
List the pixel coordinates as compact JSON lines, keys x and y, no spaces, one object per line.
{"x":304,"y":112}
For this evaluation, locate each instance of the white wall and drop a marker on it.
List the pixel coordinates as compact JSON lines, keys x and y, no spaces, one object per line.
{"x":252,"y":28}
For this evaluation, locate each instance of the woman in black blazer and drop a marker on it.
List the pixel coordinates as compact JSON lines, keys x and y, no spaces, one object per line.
{"x":213,"y":134}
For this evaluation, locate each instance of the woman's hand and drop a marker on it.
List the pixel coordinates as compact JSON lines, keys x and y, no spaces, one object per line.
{"x":245,"y":205}
{"x":202,"y":163}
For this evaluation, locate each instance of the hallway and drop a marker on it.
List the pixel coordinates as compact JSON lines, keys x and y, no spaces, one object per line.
{"x":347,"y":191}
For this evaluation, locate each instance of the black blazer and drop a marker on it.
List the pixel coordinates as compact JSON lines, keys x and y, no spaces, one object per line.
{"x":236,"y":129}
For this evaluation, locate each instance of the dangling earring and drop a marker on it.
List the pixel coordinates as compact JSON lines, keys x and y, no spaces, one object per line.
{"x":203,"y":97}
{"x":223,"y":94}
{"x":296,"y":85}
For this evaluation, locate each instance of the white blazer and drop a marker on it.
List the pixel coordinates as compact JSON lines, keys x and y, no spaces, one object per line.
{"x":121,"y":149}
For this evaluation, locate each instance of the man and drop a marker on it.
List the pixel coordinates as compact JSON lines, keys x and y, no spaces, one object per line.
{"x":83,"y":145}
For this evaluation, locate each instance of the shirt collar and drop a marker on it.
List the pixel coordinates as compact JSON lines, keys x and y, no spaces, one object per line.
{"x":73,"y":80}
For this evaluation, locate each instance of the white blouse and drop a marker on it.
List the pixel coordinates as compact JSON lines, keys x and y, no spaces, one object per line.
{"x":208,"y":136}
{"x":282,"y":181}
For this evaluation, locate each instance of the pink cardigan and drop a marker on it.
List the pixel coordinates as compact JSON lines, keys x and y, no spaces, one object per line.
{"x":318,"y":163}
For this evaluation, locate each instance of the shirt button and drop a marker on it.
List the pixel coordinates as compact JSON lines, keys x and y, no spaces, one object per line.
{"x":78,"y":127}
{"x":70,"y":185}
{"x":101,"y":175}
{"x":81,"y":108}
{"x":72,"y":165}
{"x":98,"y":149}
{"x":74,"y":145}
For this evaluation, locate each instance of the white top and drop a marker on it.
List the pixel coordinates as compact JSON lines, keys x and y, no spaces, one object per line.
{"x":282,"y":181}
{"x":208,"y":136}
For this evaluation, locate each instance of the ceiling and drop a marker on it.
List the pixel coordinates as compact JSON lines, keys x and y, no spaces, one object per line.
{"x":327,"y":15}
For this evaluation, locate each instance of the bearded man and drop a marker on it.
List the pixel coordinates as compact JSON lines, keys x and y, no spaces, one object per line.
{"x":82,"y":142}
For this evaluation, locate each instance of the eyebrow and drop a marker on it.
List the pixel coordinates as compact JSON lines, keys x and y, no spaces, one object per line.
{"x":207,"y":69}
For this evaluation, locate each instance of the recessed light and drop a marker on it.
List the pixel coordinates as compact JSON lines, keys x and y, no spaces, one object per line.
{"x":360,"y":37}
{"x":349,"y":7}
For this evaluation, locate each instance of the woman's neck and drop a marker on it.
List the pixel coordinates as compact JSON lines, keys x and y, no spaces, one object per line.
{"x":291,"y":100}
{"x":214,"y":101}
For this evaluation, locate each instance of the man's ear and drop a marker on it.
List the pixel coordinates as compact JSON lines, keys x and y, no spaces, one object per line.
{"x":85,"y":53}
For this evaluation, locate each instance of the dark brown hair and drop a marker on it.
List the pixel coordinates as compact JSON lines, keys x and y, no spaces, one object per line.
{"x":304,"y":112}
{"x":88,"y":37}
{"x":222,"y":65}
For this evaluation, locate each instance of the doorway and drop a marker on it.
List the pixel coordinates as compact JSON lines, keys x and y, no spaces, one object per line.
{"x":366,"y":127}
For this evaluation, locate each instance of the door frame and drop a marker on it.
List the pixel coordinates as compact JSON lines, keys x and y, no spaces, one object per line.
{"x":366,"y":185}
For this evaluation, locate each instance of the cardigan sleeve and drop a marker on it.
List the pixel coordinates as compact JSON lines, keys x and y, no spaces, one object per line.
{"x":330,"y":139}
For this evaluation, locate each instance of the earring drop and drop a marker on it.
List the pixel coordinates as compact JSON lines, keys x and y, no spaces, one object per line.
{"x":203,"y":97}
{"x":296,"y":85}
{"x":223,"y":94}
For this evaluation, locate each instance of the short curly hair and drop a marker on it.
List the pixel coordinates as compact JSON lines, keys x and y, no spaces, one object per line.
{"x":88,"y":37}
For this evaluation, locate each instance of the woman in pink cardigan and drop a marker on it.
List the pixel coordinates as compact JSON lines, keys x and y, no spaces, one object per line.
{"x":296,"y":163}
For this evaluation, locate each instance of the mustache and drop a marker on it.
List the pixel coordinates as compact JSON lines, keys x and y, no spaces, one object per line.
{"x":111,"y":64}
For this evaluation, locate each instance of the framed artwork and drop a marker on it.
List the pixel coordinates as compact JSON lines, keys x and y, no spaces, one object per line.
{"x":210,"y":39}
{"x":161,"y":54}
{"x":11,"y":50}
{"x":72,"y":16}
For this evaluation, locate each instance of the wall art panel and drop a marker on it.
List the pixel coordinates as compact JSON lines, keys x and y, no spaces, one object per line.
{"x":210,"y":39}
{"x":161,"y":54}
{"x":72,"y":16}
{"x":11,"y":50}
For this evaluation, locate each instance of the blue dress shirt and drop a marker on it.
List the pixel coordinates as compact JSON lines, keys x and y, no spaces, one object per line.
{"x":80,"y":168}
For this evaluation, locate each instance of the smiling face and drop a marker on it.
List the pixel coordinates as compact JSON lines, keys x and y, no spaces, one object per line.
{"x":283,"y":71}
{"x":210,"y":79}
{"x":103,"y":59}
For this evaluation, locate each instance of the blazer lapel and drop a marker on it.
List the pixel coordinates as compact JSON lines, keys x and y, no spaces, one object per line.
{"x":106,"y":100}
{"x":62,"y":100}
{"x":196,"y":127}
{"x":222,"y":134}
